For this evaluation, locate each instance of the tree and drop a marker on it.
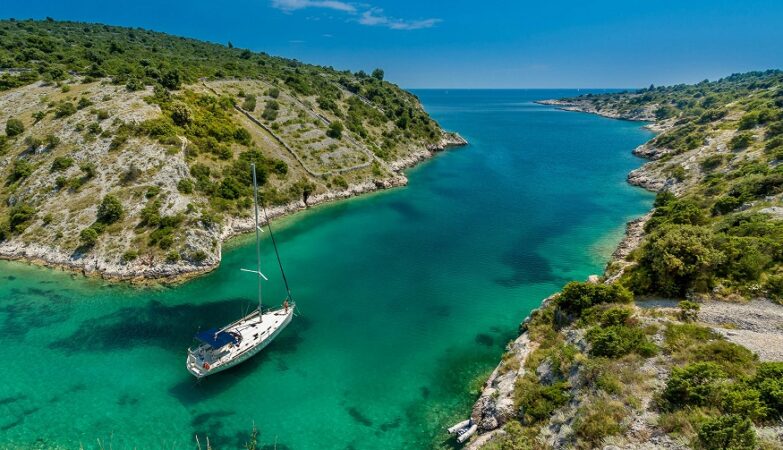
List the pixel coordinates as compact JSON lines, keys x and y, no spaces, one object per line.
{"x":14,"y":127}
{"x":171,"y":79}
{"x":335,"y":130}
{"x":180,"y":114}
{"x":378,"y":74}
{"x":693,"y":385}
{"x":679,"y":257}
{"x":110,"y":210}
{"x":576,"y":297}
{"x":88,"y":236}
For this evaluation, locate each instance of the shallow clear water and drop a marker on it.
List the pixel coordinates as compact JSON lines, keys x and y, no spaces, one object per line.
{"x":406,"y":297}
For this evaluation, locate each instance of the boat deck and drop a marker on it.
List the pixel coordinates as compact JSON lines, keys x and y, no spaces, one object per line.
{"x":254,"y":331}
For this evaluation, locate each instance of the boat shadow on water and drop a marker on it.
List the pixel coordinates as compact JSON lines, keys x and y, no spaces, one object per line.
{"x":151,"y":324}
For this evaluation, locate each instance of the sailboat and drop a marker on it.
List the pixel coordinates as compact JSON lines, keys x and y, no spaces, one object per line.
{"x":220,"y":349}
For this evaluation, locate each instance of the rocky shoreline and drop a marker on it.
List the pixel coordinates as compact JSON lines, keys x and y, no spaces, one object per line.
{"x":150,"y":271}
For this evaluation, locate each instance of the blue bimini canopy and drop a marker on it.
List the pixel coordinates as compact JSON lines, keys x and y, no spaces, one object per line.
{"x":216,"y":339}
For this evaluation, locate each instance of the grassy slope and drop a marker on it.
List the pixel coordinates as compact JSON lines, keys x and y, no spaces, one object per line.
{"x":156,"y":121}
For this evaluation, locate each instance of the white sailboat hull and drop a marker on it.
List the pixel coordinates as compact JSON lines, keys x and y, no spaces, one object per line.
{"x":256,"y":332}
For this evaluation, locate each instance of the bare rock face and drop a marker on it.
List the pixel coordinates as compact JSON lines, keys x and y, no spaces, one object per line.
{"x":496,"y":403}
{"x":647,"y":180}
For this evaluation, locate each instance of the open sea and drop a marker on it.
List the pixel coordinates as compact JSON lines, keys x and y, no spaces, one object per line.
{"x":406,"y":297}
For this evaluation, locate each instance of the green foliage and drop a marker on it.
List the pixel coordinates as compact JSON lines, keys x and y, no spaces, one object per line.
{"x":576,"y":297}
{"x":378,"y":74}
{"x":676,"y":211}
{"x":64,"y":109}
{"x":688,"y":311}
{"x":13,"y":127}
{"x":676,"y":258}
{"x":599,"y":419}
{"x":741,"y":141}
{"x":185,"y":186}
{"x":768,"y":380}
{"x":696,"y":384}
{"x":19,"y":217}
{"x":335,"y":130}
{"x":731,"y":432}
{"x":250,"y":103}
{"x":181,"y":114}
{"x":20,"y":170}
{"x":61,"y":163}
{"x":619,"y":340}
{"x":88,"y":237}
{"x":129,"y":256}
{"x":711,"y":162}
{"x":537,"y":401}
{"x":110,"y":210}
{"x":198,"y":256}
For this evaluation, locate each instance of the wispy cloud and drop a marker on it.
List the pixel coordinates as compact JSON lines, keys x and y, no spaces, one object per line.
{"x":361,"y":13}
{"x":293,"y":5}
{"x":376,"y":17}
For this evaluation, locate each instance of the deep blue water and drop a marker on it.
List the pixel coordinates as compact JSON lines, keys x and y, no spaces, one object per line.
{"x":407,"y":298}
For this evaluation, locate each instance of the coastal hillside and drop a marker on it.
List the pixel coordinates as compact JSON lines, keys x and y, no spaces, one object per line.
{"x":678,"y":345}
{"x":127,"y":152}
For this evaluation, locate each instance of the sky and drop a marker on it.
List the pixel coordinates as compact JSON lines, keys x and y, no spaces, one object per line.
{"x":472,"y":44}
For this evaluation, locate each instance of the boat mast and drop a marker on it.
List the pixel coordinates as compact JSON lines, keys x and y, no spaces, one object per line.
{"x":258,"y":241}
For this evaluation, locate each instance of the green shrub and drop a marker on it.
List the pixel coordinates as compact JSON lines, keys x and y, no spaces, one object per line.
{"x":110,"y":210}
{"x":711,"y":162}
{"x":172,"y":257}
{"x":734,"y":359}
{"x":688,"y":311}
{"x":730,"y":432}
{"x":737,"y":398}
{"x":681,"y":336}
{"x":64,"y":109}
{"x":13,"y":127}
{"x":537,"y":401}
{"x":599,"y":419}
{"x":20,"y":170}
{"x":677,"y":211}
{"x":576,"y":297}
{"x":619,"y":340}
{"x":741,"y":141}
{"x":696,"y":384}
{"x":88,"y":237}
{"x":676,"y":258}
{"x":335,"y":130}
{"x":185,"y":186}
{"x":250,"y":103}
{"x":774,"y":287}
{"x":768,"y":380}
{"x":19,"y":217}
{"x":198,"y":256}
{"x":61,"y":163}
{"x":84,"y":102}
{"x":129,"y":256}
{"x":152,"y":191}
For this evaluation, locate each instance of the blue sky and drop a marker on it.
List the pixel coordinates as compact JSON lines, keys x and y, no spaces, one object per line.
{"x":466,"y":43}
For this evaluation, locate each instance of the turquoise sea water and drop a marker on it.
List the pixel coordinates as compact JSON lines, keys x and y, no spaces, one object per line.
{"x":406,"y":297}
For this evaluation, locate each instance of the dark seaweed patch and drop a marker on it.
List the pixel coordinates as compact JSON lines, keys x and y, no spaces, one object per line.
{"x":425,"y":391}
{"x":391,"y":425}
{"x":485,"y":339}
{"x":127,"y":400}
{"x":12,"y":399}
{"x":359,"y":417}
